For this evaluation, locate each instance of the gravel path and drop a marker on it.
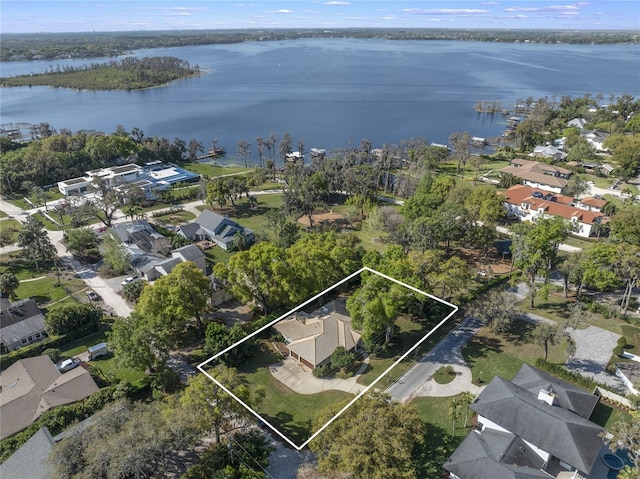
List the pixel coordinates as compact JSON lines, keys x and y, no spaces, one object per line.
{"x":593,"y":350}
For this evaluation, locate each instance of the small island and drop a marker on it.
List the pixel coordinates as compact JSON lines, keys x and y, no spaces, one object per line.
{"x":125,"y":74}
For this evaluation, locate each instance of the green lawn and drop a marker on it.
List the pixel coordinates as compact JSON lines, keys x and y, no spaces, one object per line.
{"x":106,"y":364}
{"x":41,"y":285}
{"x":3,"y":214}
{"x":435,"y":411}
{"x":606,"y":416}
{"x":579,"y":242}
{"x":13,"y":226}
{"x":291,"y":412}
{"x":253,"y":219}
{"x":490,"y":355}
{"x":212,"y":171}
{"x":175,"y":218}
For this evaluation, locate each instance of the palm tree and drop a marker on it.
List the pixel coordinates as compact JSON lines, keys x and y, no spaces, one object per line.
{"x":467,"y":399}
{"x":455,"y":411}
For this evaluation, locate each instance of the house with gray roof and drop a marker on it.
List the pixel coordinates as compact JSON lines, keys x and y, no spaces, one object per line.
{"x":30,"y":460}
{"x":548,"y":151}
{"x":214,"y":227}
{"x":154,"y":266}
{"x":31,"y":386}
{"x":533,"y":426}
{"x":312,"y":338}
{"x":21,"y":323}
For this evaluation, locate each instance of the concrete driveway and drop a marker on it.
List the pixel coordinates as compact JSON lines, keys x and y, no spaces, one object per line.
{"x":418,"y":381}
{"x":300,"y":379}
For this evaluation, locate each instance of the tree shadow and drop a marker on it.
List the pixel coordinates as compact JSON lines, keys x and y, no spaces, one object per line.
{"x":296,"y":431}
{"x":480,"y":347}
{"x":601,"y":414}
{"x":429,"y":456}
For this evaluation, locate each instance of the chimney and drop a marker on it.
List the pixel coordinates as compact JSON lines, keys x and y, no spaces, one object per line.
{"x":547,"y":395}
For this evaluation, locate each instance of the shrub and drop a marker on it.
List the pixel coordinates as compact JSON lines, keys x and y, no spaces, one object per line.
{"x":622,"y":341}
{"x":618,"y":350}
{"x":341,"y":358}
{"x":53,"y":353}
{"x":322,"y":371}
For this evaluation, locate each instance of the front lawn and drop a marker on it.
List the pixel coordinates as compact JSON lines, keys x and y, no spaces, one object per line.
{"x":175,"y":218}
{"x":251,"y":218}
{"x":490,"y":355}
{"x":211,"y":171}
{"x":290,"y":412}
{"x":106,"y":364}
{"x":435,"y":411}
{"x":13,"y":226}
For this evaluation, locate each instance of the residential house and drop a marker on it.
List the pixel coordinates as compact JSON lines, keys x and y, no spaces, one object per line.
{"x":318,"y":154}
{"x":141,"y":234}
{"x":211,"y":226}
{"x":155,"y":268}
{"x":548,"y":151}
{"x":595,"y":138}
{"x":591,"y":204}
{"x":31,"y":386}
{"x":527,"y":203}
{"x":312,"y":338}
{"x":578,"y":123}
{"x":534,"y":426}
{"x":21,"y":323}
{"x":295,"y":157}
{"x":539,"y":175}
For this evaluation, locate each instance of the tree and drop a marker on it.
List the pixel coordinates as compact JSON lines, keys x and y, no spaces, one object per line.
{"x":138,"y":344}
{"x":8,"y":284}
{"x":243,"y":150}
{"x":217,"y":410}
{"x":80,"y":241}
{"x":306,"y":193}
{"x":177,"y":297}
{"x":467,"y":398}
{"x":496,"y":309}
{"x":106,"y":200}
{"x":625,"y":225}
{"x":6,"y":237}
{"x":455,"y":412}
{"x":218,"y":192}
{"x":260,"y":144}
{"x":374,"y":438}
{"x":285,"y":146}
{"x":132,"y":291}
{"x":193,"y":149}
{"x":70,"y":317}
{"x":374,"y":308}
{"x":460,"y":145}
{"x":577,"y":185}
{"x":626,"y":435}
{"x":280,"y":229}
{"x":257,"y":274}
{"x":115,"y":254}
{"x":341,"y":358}
{"x":484,"y":204}
{"x":546,"y":334}
{"x":35,"y":240}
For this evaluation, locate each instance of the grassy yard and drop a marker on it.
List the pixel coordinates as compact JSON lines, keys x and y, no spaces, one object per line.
{"x":489,"y":355}
{"x":253,"y":219}
{"x":14,"y":226}
{"x":106,"y":364}
{"x":211,"y":171}
{"x":175,"y":218}
{"x":579,"y":242}
{"x":435,"y":411}
{"x":291,"y":412}
{"x":41,"y":285}
{"x":3,"y":214}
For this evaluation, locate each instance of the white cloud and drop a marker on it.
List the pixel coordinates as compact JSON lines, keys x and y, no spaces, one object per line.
{"x":284,"y":11}
{"x":335,"y":3}
{"x":488,"y":3}
{"x":550,"y":8}
{"x":446,"y":11}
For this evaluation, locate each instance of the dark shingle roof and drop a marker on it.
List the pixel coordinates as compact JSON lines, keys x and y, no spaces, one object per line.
{"x":479,"y":457}
{"x":30,"y":460}
{"x":565,"y":434}
{"x":190,"y":252}
{"x":23,"y":318}
{"x":569,"y":396}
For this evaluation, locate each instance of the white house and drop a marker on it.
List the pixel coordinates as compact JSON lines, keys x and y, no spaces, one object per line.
{"x":21,"y":323}
{"x":595,"y":138}
{"x":527,"y":203}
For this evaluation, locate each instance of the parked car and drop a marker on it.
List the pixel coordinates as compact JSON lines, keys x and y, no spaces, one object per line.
{"x":130,"y":279}
{"x":67,"y":364}
{"x":93,"y":296}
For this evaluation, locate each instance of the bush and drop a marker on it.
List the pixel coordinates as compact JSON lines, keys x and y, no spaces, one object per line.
{"x":53,"y":353}
{"x":618,"y":350}
{"x":322,"y":371}
{"x":341,"y":358}
{"x":622,"y":342}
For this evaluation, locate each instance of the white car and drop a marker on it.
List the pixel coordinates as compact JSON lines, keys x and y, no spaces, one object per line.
{"x":128,"y":280}
{"x":68,"y":364}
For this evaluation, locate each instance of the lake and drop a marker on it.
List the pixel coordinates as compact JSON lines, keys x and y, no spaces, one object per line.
{"x":331,"y":92}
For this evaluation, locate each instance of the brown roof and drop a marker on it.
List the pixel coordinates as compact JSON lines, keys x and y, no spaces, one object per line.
{"x":595,"y":202}
{"x":517,"y":193}
{"x":314,"y":337}
{"x":539,"y":167}
{"x":31,"y":386}
{"x":538,"y":172}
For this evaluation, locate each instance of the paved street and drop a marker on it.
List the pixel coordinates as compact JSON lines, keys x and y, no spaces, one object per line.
{"x":447,"y":351}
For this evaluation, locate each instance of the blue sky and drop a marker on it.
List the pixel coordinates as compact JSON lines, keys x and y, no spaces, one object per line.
{"x":120,"y":15}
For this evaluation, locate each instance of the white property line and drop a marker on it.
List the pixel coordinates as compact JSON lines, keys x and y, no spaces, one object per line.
{"x":351,"y":276}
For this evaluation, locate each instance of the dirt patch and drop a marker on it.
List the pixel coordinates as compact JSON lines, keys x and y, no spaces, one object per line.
{"x":330,"y":218}
{"x":489,"y":265}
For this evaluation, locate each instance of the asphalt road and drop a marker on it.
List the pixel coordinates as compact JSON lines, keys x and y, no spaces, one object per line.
{"x":447,"y":351}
